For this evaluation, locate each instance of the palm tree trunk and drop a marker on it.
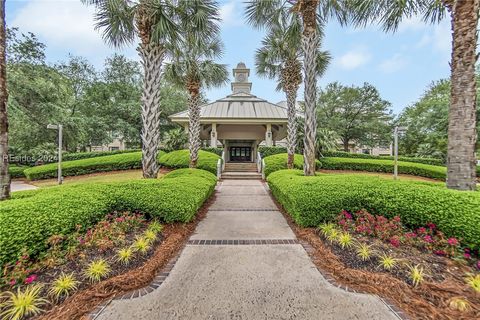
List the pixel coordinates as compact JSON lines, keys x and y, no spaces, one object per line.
{"x":152,"y":58}
{"x":310,"y":45}
{"x":4,"y":176}
{"x":194,"y":127}
{"x":291,"y":127}
{"x":461,"y":161}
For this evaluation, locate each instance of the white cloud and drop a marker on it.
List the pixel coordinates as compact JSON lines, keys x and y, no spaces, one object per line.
{"x":354,"y":59}
{"x":393,"y":64}
{"x":65,"y":27}
{"x":231,"y":14}
{"x":439,"y":38}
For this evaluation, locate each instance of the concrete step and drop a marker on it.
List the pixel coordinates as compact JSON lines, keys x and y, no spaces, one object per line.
{"x":241,"y":175}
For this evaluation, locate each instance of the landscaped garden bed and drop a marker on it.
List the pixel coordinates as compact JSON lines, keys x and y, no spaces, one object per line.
{"x":428,"y":267}
{"x":79,"y":238}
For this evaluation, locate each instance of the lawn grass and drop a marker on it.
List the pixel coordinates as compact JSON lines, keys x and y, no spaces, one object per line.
{"x":113,"y":176}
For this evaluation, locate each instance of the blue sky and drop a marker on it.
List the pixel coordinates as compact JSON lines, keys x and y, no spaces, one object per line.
{"x":400,"y":65}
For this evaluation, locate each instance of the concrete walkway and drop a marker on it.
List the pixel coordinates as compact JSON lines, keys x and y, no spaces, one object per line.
{"x":269,"y":279}
{"x":18,"y":185}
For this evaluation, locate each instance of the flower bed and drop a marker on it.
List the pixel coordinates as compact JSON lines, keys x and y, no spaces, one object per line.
{"x":28,"y":221}
{"x":116,"y":244}
{"x":313,"y":200}
{"x":440,"y":270}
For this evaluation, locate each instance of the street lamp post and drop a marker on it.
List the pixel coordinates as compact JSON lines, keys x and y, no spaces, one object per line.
{"x":58,"y":127}
{"x":398,"y":130}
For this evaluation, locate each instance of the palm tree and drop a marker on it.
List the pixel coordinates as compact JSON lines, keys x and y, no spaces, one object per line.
{"x":156,"y":24}
{"x":193,"y":66}
{"x":464,"y":15}
{"x":4,"y":176}
{"x":280,"y":57}
{"x":262,"y":13}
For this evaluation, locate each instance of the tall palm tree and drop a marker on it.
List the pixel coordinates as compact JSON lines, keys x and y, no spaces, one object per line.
{"x":194,"y":66}
{"x":262,"y":13}
{"x":4,"y":176}
{"x":280,"y":57}
{"x":156,"y":24}
{"x":464,"y":16}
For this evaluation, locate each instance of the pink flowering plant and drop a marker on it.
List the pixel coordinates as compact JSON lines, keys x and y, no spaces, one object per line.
{"x":393,"y":232}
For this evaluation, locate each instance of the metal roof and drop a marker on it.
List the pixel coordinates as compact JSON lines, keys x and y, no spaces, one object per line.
{"x":238,"y":106}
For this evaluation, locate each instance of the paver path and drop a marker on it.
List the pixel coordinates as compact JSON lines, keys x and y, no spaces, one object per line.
{"x":260,"y":281}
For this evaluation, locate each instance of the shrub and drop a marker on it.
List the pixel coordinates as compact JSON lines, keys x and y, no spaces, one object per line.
{"x":16,"y":171}
{"x":27,"y":222}
{"x":93,"y":154}
{"x":125,"y":161}
{"x":343,"y":154}
{"x":270,"y":151}
{"x":181,"y":159}
{"x":217,"y":151}
{"x":374,"y":165}
{"x":313,"y":200}
{"x":279,"y":162}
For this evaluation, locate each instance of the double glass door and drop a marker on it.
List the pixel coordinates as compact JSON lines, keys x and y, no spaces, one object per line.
{"x":241,"y":154}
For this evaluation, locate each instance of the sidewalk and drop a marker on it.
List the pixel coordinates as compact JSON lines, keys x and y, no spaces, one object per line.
{"x":255,"y":269}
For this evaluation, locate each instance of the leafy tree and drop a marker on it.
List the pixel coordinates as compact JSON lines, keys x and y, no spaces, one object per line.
{"x":427,"y":122}
{"x":355,"y":113}
{"x":175,"y":139}
{"x":194,"y":65}
{"x":4,"y":176}
{"x":280,"y":57}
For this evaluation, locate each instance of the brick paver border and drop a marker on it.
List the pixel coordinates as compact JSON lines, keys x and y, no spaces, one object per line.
{"x":241,"y":242}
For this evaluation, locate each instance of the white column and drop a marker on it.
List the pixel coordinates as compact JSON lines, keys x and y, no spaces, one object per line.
{"x":213,"y":136}
{"x":268,"y":135}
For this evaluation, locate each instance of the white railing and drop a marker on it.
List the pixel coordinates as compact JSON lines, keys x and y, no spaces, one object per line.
{"x":263,"y":169}
{"x":223,"y":160}
{"x":219,"y":169}
{"x":259,"y":162}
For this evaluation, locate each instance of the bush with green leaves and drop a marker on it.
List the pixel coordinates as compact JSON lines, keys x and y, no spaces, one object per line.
{"x":270,"y":151}
{"x":279,"y":162}
{"x":313,"y":200}
{"x":16,"y":171}
{"x":27,"y":222}
{"x":377,"y":165}
{"x":343,"y":154}
{"x":93,"y":154}
{"x":217,"y":151}
{"x":124,"y":161}
{"x":181,"y":159}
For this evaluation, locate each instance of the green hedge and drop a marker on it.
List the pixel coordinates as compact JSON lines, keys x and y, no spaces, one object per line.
{"x":181,"y":159}
{"x":343,"y":154}
{"x":375,"y":165}
{"x":279,"y":162}
{"x":217,"y":151}
{"x":27,"y":222}
{"x":93,"y":154}
{"x":124,"y":161}
{"x":16,"y":171}
{"x":270,"y":151}
{"x":312,"y":200}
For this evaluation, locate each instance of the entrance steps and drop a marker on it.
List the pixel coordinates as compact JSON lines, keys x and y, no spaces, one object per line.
{"x":241,"y":170}
{"x":241,"y":167}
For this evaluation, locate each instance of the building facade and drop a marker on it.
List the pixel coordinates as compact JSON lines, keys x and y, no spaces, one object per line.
{"x":241,"y":121}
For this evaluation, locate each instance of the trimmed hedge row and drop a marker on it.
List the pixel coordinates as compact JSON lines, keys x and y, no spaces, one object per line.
{"x":27,"y":222}
{"x":279,"y":162}
{"x":343,"y":154}
{"x":217,"y":151}
{"x":124,"y":161}
{"x":270,"y":151}
{"x":313,"y":200}
{"x":181,"y":159}
{"x":93,"y":154}
{"x":16,"y":171}
{"x":377,"y":165}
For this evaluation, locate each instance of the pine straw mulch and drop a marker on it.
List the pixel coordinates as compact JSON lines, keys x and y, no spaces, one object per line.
{"x":82,"y":302}
{"x":430,"y":300}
